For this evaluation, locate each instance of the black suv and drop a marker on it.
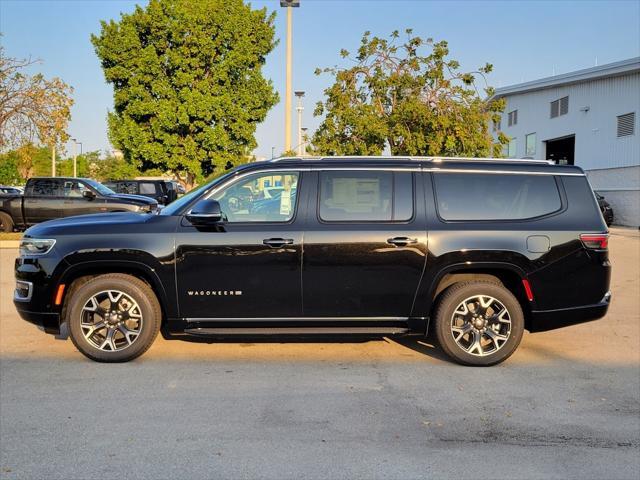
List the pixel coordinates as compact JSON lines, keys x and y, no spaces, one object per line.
{"x":477,"y":250}
{"x":162,"y":191}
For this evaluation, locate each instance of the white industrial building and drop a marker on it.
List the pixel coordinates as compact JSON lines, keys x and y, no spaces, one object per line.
{"x":588,"y":118}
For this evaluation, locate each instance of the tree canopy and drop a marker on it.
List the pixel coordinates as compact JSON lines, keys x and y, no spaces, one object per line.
{"x":188,"y":83}
{"x":32,"y":108}
{"x":416,"y":102}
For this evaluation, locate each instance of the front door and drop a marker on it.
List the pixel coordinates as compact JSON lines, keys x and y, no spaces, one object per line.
{"x":365,"y":245}
{"x":249,"y":266}
{"x":74,"y":201}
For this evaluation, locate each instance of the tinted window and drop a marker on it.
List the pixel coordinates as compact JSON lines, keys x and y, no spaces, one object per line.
{"x":45,"y":187}
{"x":462,"y":196}
{"x":248,"y":200}
{"x":366,"y":196}
{"x":148,"y":188}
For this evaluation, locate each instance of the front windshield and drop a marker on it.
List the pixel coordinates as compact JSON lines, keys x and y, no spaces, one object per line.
{"x":98,"y":187}
{"x":179,"y":204}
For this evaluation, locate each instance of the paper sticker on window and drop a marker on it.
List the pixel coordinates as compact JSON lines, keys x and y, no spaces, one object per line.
{"x":285,"y":202}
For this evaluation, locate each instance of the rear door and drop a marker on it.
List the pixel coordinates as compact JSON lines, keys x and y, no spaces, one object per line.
{"x":42,"y":200}
{"x":365,"y":244}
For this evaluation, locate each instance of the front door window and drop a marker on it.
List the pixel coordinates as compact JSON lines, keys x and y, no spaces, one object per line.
{"x":253,"y":199}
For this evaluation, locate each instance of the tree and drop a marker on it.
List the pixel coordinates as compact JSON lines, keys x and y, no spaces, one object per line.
{"x":32,"y":108}
{"x":188,"y":83}
{"x":417,"y":103}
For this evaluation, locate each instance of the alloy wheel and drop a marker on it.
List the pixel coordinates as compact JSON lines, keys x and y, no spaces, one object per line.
{"x":111,"y":320}
{"x":481,"y":325}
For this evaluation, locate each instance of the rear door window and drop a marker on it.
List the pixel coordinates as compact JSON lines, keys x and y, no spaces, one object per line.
{"x":45,"y":187}
{"x":357,"y":196}
{"x":147,"y":188}
{"x":464,"y":196}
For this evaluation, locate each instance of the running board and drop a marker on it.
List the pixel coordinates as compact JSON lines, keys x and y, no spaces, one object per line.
{"x":206,"y":332}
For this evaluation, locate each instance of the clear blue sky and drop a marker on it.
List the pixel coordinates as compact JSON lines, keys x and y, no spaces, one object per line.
{"x":523,"y":40}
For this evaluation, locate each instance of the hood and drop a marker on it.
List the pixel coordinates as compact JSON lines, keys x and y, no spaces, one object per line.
{"x":136,"y":198}
{"x":108,"y":222}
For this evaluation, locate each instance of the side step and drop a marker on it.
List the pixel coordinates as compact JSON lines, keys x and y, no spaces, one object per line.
{"x":206,"y":332}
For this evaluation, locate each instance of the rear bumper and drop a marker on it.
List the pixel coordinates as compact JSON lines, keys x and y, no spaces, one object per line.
{"x":544,"y":320}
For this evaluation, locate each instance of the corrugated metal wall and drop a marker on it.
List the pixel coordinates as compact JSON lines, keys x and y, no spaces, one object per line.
{"x":597,"y":145}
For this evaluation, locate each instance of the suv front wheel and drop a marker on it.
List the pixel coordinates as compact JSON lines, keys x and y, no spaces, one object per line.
{"x":479,"y":323}
{"x":113,"y":318}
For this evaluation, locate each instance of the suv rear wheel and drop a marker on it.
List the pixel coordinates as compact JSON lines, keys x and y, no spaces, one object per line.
{"x":479,"y":323}
{"x":113,"y":318}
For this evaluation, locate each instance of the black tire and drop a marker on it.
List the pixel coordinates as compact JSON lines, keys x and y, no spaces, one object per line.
{"x":453,"y":298}
{"x":131,"y":287}
{"x":6,"y":223}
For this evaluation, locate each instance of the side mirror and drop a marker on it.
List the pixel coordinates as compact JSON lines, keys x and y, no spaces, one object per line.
{"x":88,"y":194}
{"x":206,"y":212}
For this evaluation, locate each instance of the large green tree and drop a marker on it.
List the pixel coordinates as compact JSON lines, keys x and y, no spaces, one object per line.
{"x":409,"y":95}
{"x":188,"y":83}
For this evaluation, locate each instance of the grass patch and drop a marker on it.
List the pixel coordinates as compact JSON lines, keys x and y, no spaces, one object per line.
{"x":10,"y":236}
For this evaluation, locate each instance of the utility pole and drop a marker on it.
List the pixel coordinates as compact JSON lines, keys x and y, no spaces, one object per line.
{"x":288,"y":4}
{"x":75,"y":156}
{"x":53,"y":160}
{"x":299,"y":109}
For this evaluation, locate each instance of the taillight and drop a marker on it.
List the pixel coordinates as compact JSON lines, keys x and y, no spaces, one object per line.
{"x":599,"y":241}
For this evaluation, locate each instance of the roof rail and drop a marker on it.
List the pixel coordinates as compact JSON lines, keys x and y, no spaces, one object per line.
{"x":420,"y":159}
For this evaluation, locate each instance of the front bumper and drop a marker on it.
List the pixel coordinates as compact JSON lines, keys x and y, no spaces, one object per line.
{"x":49,"y":322}
{"x":544,"y":320}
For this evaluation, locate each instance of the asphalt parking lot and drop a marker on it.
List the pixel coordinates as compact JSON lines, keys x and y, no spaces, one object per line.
{"x":566,"y":405}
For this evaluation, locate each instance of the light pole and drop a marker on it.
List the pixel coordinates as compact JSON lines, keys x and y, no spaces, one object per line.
{"x":303,"y":148}
{"x":288,"y":4}
{"x":75,"y":157}
{"x":299,"y":109}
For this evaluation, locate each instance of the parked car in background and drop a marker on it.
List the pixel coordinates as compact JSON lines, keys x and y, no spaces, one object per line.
{"x":5,"y":190}
{"x":56,"y":197}
{"x":162,"y":191}
{"x":477,"y":250}
{"x":605,"y":208}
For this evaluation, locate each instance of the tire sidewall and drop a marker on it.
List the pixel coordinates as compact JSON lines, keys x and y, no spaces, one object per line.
{"x":453,"y":297}
{"x":149,"y":310}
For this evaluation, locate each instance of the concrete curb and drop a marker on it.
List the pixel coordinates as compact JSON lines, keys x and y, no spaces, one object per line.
{"x":9,"y":243}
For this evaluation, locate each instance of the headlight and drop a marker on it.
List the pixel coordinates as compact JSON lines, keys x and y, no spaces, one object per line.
{"x":36,"y":246}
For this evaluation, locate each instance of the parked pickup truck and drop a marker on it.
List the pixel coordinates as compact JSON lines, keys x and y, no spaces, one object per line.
{"x":50,"y":198}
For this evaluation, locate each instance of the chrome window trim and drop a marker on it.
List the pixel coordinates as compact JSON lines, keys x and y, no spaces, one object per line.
{"x":17,"y":297}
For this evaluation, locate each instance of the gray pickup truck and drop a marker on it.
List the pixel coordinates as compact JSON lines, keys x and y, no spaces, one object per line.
{"x":50,"y":198}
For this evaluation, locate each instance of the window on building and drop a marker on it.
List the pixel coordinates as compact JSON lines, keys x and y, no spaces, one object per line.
{"x":366,"y":196}
{"x":513,"y":118}
{"x":626,"y":124}
{"x":560,"y":107}
{"x":512,"y":148}
{"x":530,"y":144}
{"x":495,"y":197}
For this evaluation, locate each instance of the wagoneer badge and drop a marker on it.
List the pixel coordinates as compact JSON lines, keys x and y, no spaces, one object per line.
{"x":218,"y":293}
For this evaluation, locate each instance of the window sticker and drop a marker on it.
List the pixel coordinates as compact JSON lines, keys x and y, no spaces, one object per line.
{"x":285,"y":202}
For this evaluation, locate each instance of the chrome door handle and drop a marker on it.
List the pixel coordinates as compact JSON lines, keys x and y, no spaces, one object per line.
{"x":277,"y":242}
{"x":401,"y":241}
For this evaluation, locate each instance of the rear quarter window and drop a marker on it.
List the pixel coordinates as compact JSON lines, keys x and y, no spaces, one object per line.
{"x":465,"y":196}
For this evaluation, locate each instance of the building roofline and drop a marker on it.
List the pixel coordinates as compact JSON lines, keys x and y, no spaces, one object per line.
{"x":615,"y":69}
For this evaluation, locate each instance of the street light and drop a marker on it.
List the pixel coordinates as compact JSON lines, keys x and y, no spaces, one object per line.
{"x":299,"y":109}
{"x":303,"y":148}
{"x":288,"y":4}
{"x":75,"y":157}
